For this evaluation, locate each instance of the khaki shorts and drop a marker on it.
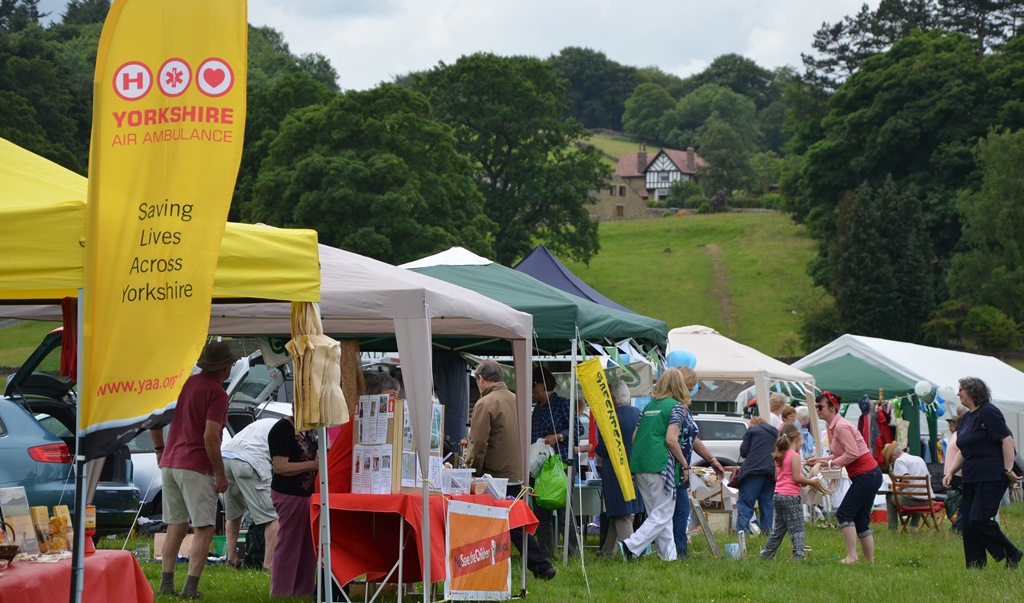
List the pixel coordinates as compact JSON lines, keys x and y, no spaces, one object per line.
{"x":247,"y":491}
{"x":189,"y":495}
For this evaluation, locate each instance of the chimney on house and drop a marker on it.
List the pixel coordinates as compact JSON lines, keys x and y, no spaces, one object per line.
{"x":641,"y":158}
{"x":690,"y":159}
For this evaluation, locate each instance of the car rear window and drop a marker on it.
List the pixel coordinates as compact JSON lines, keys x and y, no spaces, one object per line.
{"x":721,"y":430}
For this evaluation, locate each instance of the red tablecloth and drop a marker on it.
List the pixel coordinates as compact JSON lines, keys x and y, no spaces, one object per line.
{"x":364,"y":532}
{"x":109,"y":576}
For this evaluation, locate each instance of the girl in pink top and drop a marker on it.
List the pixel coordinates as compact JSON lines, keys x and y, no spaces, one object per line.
{"x":789,"y":514}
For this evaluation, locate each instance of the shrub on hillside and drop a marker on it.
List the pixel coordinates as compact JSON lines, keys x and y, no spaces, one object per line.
{"x":704,"y":208}
{"x":772,"y":201}
{"x":819,"y":318}
{"x":719,"y":201}
{"x":684,"y":193}
{"x":744,"y":200}
{"x":944,"y":323}
{"x":989,"y":328}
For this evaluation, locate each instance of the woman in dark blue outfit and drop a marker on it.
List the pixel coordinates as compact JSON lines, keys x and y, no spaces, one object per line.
{"x":986,"y":458}
{"x":618,"y":512}
{"x":757,"y":476}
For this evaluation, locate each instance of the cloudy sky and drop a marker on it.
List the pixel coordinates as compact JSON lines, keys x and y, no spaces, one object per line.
{"x":370,"y":41}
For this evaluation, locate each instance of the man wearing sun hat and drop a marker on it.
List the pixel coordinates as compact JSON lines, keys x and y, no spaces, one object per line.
{"x":897,"y":462}
{"x":191,"y":465}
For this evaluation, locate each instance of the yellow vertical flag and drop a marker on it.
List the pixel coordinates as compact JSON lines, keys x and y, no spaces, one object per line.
{"x":168,"y":119}
{"x":595,"y":389}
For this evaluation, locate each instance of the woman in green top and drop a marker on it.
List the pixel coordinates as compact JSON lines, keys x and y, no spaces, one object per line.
{"x":656,"y":462}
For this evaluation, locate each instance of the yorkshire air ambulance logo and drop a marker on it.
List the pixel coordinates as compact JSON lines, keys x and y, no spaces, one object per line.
{"x":134,"y":80}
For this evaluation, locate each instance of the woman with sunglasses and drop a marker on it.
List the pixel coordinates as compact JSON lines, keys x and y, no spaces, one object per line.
{"x":985,"y":455}
{"x":850,"y":451}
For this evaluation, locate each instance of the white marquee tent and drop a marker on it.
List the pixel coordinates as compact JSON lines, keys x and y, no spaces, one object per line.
{"x":721,"y":358}
{"x":938,"y":366}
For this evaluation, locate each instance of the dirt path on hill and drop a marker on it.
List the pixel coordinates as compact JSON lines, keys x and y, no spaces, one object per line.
{"x":720,"y":289}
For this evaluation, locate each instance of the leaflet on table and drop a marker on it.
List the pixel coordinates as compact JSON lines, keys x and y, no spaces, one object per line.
{"x":371,"y":469}
{"x":16,"y":511}
{"x":411,"y":477}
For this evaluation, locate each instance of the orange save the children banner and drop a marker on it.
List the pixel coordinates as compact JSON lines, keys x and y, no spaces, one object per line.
{"x":478,"y":548}
{"x":168,"y":119}
{"x":595,"y":389}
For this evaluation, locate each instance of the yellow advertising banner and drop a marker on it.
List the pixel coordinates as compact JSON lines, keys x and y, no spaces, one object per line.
{"x":168,"y":118}
{"x":479,"y":549}
{"x":594,"y":383}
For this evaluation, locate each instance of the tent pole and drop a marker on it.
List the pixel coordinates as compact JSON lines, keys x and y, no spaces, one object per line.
{"x":570,"y":442}
{"x":325,"y":592}
{"x":78,"y":545}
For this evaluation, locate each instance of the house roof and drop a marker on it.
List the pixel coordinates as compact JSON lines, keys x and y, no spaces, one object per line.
{"x":628,"y":166}
{"x":680,"y":159}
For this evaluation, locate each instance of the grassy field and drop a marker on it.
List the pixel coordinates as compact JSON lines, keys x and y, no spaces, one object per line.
{"x":17,"y":340}
{"x":739,"y":273}
{"x":915,"y":567}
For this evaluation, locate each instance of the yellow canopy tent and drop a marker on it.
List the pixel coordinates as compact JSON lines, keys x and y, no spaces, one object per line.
{"x":42,"y":209}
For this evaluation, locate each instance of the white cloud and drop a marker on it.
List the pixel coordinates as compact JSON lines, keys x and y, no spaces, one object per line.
{"x":370,"y":41}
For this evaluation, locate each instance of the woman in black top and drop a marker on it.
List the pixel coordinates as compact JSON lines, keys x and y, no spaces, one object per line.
{"x":986,"y":458}
{"x":295,"y":472}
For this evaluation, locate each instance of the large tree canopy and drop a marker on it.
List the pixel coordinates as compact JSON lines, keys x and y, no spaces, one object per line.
{"x":903,"y":113}
{"x":530,"y":163}
{"x":598,"y":86}
{"x":373,"y":173}
{"x":881,"y":277}
{"x":991,"y":268}
{"x":681,"y":125}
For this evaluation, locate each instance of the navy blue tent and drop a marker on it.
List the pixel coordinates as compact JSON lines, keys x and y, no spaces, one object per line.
{"x":544,"y":267}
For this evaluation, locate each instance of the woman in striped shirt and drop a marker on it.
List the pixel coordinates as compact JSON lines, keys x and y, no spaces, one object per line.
{"x":849,"y":451}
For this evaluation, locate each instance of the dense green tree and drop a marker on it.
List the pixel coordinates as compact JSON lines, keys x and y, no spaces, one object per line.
{"x":644,"y":110}
{"x":598,"y":86}
{"x":881,"y":277}
{"x":19,"y":15}
{"x":529,"y":161}
{"x":32,"y":69}
{"x":373,"y":173}
{"x":739,"y":74}
{"x":902,"y":114}
{"x":84,"y":12}
{"x":990,"y":269}
{"x":674,"y":84}
{"x":990,"y":22}
{"x":729,"y":159}
{"x":680,"y":125}
{"x":267,"y":107}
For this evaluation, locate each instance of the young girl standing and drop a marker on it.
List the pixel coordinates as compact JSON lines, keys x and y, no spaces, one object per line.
{"x":789,"y":516}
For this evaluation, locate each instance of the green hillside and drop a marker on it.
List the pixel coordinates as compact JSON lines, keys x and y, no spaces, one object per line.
{"x":614,"y":146}
{"x":739,"y":273}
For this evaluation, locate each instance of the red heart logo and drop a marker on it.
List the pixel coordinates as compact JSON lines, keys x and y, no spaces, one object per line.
{"x":214,"y":77}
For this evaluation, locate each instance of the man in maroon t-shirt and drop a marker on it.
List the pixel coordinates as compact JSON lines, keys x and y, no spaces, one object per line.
{"x":191,"y":466}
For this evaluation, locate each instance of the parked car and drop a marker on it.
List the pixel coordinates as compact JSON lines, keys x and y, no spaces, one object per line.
{"x":722,"y":434}
{"x":37,"y":443}
{"x":255,"y":391}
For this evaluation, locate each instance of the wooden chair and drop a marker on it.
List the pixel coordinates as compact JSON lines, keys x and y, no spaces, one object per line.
{"x":914,"y":486}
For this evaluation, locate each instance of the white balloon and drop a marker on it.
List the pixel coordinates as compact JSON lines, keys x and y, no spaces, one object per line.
{"x":946,"y":393}
{"x":923,"y":388}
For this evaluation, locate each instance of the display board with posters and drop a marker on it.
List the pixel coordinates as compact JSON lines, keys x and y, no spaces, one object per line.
{"x":383,"y":453}
{"x":478,"y":550}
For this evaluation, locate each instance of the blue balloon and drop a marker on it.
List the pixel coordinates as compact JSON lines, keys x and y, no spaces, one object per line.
{"x":678,"y":358}
{"x":693,"y":392}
